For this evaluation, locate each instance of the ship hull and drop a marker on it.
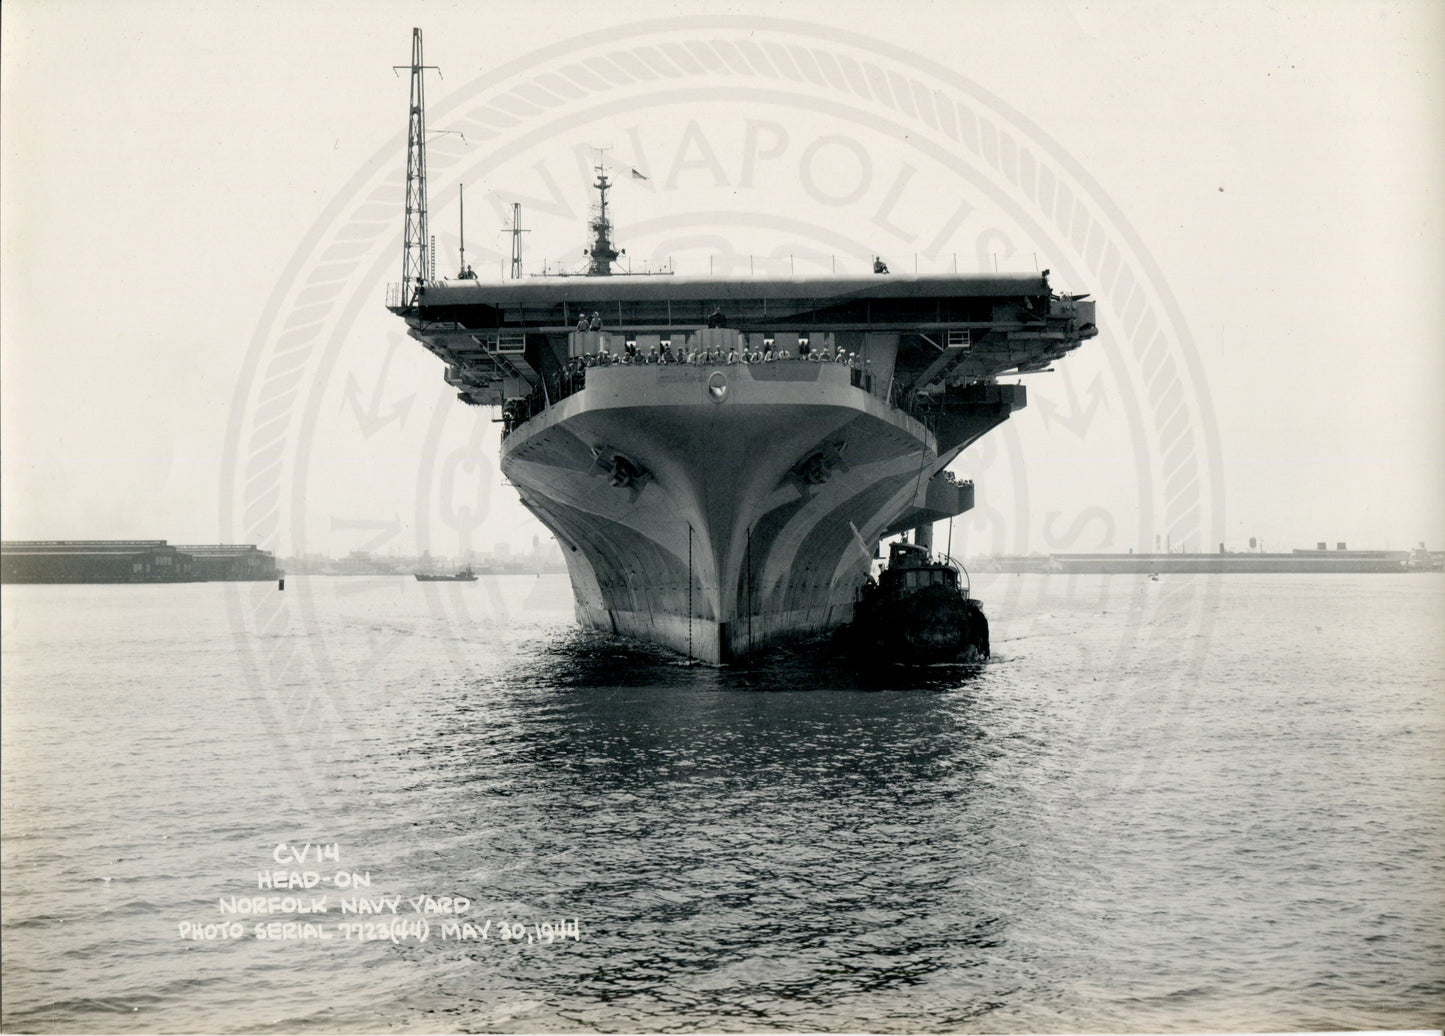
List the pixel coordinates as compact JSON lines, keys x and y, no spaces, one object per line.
{"x":713,"y":510}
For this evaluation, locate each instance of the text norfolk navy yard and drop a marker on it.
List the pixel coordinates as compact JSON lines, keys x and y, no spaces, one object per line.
{"x":720,"y":457}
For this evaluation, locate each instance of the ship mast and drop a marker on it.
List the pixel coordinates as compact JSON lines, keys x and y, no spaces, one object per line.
{"x":461,"y":230}
{"x":466,"y":272}
{"x":517,"y":233}
{"x":602,"y":253}
{"x":415,"y":262}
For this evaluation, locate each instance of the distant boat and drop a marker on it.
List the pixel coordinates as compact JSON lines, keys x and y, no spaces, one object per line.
{"x":465,"y":575}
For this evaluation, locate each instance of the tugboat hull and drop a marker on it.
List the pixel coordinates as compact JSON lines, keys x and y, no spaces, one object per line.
{"x":933,"y":624}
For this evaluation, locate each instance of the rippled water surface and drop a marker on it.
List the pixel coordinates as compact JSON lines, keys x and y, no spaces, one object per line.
{"x":1193,"y":804}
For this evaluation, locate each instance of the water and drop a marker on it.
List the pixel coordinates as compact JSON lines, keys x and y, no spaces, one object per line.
{"x":1193,"y":804}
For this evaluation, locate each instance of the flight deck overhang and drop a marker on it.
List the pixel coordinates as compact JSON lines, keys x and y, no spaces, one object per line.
{"x":902,"y":304}
{"x":918,"y":334}
{"x":548,"y":291}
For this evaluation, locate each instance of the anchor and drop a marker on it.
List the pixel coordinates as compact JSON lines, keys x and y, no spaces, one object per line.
{"x":622,"y":471}
{"x":817,"y":467}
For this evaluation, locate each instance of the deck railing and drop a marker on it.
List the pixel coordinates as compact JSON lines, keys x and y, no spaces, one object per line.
{"x":558,"y":386}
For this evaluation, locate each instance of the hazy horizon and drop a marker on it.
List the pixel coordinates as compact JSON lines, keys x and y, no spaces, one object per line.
{"x":169,"y":169}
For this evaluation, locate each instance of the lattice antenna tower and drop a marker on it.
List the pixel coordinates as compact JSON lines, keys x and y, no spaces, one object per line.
{"x":416,"y":259}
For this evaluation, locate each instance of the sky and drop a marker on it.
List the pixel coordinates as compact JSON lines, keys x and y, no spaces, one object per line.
{"x":200,"y":207}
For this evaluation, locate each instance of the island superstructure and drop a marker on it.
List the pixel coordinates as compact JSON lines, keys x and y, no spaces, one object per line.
{"x":719,"y":457}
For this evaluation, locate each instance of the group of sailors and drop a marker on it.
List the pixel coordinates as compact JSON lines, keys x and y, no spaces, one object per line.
{"x":713,"y":355}
{"x":518,"y":411}
{"x":573,"y":375}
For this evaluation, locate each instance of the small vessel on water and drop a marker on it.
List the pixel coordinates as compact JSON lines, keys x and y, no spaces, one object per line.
{"x":465,"y":575}
{"x":918,"y":612}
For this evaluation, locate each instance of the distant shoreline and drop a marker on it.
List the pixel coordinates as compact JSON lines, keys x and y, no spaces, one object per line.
{"x":1298,"y":561}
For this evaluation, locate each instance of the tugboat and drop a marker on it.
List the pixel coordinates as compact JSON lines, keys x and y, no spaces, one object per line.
{"x":917,"y":612}
{"x":465,"y":575}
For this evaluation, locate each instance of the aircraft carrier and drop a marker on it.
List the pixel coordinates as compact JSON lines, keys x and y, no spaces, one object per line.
{"x":719,"y":457}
